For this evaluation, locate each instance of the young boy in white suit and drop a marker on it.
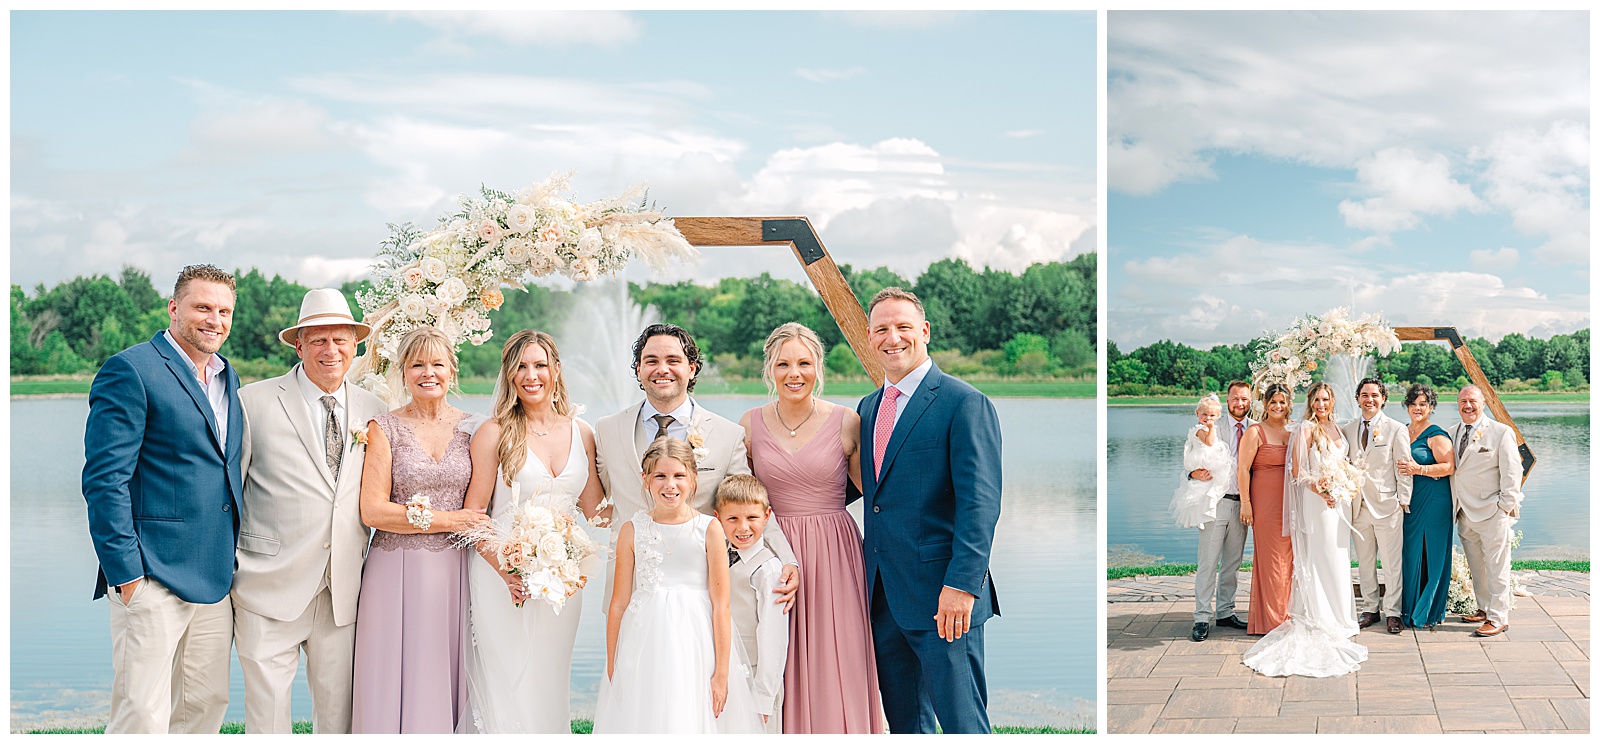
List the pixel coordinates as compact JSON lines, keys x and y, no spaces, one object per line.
{"x":753,"y":573}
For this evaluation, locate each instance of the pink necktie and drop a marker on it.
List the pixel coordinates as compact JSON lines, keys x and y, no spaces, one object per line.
{"x":1238,"y":431}
{"x":884,"y":427}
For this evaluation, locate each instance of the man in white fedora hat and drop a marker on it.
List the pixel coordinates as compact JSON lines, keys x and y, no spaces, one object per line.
{"x":301,"y":540}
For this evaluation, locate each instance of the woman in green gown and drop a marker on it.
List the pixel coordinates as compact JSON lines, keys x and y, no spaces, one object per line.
{"x":1427,"y":527}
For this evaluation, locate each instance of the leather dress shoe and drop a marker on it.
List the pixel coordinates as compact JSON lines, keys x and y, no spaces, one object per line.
{"x":1489,"y":629}
{"x":1201,"y":630}
{"x":1394,"y":625}
{"x":1478,"y":616}
{"x":1368,"y":619}
{"x":1232,"y":621}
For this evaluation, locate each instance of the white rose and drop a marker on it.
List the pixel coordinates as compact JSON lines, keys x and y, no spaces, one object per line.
{"x":552,"y":547}
{"x":519,"y":219}
{"x":552,"y":233}
{"x":413,"y":278}
{"x":453,"y":291}
{"x":590,"y":243}
{"x":568,"y":571}
{"x":489,"y":231}
{"x":414,"y":307}
{"x":434,"y":270}
{"x":519,"y":251}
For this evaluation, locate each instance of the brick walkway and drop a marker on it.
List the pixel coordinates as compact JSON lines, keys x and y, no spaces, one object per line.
{"x":1534,"y":678}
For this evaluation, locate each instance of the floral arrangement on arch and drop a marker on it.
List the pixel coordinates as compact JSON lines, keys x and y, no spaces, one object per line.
{"x":452,"y":277}
{"x":1459,"y":599}
{"x":1311,"y":339}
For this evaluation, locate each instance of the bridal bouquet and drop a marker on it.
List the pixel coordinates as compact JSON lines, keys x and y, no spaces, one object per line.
{"x":1340,"y":479}
{"x":1294,"y":354}
{"x":544,"y":546}
{"x":452,"y":277}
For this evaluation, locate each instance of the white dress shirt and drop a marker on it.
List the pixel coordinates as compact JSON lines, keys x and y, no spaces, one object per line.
{"x":319,"y":414}
{"x":908,"y":387}
{"x":213,"y":383}
{"x":678,"y":429}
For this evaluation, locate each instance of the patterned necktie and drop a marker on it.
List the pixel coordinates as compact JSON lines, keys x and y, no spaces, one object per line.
{"x":1365,"y":425}
{"x":333,"y":444}
{"x":733,"y":554}
{"x":1461,"y":446}
{"x":663,"y":421}
{"x":1238,"y":433}
{"x":884,"y":427}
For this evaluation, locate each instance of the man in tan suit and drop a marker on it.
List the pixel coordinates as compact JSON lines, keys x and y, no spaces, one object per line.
{"x":666,"y":361}
{"x":1376,"y":442}
{"x":301,"y":540}
{"x":1487,"y":491}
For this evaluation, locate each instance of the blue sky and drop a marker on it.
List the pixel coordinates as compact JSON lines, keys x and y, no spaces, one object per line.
{"x":287,"y":140}
{"x":1262,"y":165}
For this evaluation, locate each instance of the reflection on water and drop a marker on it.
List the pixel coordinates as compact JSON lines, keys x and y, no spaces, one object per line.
{"x":1144,"y":459}
{"x":1043,"y":565}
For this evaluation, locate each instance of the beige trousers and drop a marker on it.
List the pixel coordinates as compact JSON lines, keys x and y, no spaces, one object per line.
{"x":269,"y":654}
{"x":169,"y":662}
{"x":1379,"y":538}
{"x":1487,"y":545}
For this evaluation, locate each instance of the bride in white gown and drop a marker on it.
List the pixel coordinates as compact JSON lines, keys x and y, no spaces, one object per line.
{"x":520,"y":661}
{"x":1315,"y":640}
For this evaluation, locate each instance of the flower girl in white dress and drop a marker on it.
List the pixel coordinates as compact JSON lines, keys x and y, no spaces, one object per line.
{"x":1195,"y":502}
{"x":669,"y":632}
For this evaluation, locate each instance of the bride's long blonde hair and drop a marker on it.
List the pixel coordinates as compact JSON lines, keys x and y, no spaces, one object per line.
{"x":508,"y":413}
{"x":1316,"y":437}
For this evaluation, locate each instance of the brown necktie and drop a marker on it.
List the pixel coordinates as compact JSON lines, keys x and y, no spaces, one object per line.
{"x":1462,"y":445}
{"x":663,"y":421}
{"x":1365,"y":425}
{"x":333,"y":443}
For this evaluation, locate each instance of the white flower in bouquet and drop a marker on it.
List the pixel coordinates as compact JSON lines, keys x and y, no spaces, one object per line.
{"x":452,"y":291}
{"x":414,"y":306}
{"x":544,"y":584}
{"x":434,"y":270}
{"x":537,"y":519}
{"x":520,"y":218}
{"x":412,"y":278}
{"x":589,"y":244}
{"x":519,"y":251}
{"x":552,"y":547}
{"x":568,"y":571}
{"x":489,"y":231}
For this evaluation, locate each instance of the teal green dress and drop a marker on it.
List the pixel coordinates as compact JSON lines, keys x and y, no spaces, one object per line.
{"x":1427,"y":529}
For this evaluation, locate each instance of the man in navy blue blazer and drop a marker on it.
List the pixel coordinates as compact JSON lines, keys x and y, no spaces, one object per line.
{"x":162,"y":481}
{"x":931,"y":479}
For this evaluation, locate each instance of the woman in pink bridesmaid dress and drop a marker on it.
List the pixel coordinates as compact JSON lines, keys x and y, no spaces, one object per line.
{"x":804,"y":449}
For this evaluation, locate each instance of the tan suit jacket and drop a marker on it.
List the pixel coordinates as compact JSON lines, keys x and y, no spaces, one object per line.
{"x":1488,"y":475}
{"x":617,"y":459}
{"x":1385,"y":490}
{"x":297,"y":523}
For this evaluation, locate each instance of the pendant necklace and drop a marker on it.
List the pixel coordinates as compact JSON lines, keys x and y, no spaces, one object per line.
{"x":794,"y":430}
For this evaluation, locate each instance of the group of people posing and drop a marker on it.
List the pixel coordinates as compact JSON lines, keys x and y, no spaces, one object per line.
{"x":1417,"y":481}
{"x":299,"y":513}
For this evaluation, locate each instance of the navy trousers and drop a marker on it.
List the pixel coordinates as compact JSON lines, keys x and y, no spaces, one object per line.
{"x":928,"y":683}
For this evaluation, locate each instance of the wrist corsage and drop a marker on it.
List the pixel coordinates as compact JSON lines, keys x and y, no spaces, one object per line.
{"x":418,"y":512}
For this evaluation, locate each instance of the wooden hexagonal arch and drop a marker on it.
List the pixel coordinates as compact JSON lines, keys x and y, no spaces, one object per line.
{"x":1474,"y":373}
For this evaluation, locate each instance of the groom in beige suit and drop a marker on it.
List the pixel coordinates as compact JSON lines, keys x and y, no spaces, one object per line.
{"x":1376,"y":443}
{"x":1487,"y":491}
{"x":301,"y":540}
{"x":666,"y":361}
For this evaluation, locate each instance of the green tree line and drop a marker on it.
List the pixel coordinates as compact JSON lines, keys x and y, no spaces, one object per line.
{"x":1040,"y":323}
{"x":1515,"y":363}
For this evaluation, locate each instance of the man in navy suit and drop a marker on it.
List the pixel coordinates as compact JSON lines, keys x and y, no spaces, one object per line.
{"x":931,"y":480}
{"x":162,"y":481}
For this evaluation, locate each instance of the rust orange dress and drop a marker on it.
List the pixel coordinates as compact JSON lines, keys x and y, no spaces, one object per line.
{"x":1273,"y":564}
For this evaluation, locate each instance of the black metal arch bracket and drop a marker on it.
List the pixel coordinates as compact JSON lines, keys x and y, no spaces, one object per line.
{"x":1527,"y":458}
{"x":1449,"y":334}
{"x":797,"y":231}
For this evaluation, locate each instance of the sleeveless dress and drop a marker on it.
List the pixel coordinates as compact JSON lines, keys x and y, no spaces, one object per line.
{"x":1427,"y":531}
{"x":831,"y":681}
{"x":519,"y":665}
{"x":661,"y":682}
{"x":1272,"y":568}
{"x":412,"y":616}
{"x":1315,"y":640}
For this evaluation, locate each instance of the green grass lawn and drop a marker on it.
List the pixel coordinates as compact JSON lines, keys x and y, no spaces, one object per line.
{"x":579,"y":726}
{"x":1184,"y":569}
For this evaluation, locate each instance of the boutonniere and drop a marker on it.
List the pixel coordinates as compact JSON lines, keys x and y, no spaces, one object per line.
{"x":358,"y":438}
{"x":1477,"y":435}
{"x":697,"y":442}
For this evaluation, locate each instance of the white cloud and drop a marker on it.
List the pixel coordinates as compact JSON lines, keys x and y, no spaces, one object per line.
{"x":1329,"y":89}
{"x":1542,"y":179}
{"x":1227,"y":289}
{"x":1407,"y":186}
{"x":1024,"y":133}
{"x":820,"y":182}
{"x":257,"y":130}
{"x":817,"y":75}
{"x":488,"y":96}
{"x":900,"y":18}
{"x":606,"y":28}
{"x":1494,"y":261}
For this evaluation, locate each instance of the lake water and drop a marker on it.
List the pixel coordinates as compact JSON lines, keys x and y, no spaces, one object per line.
{"x":1043,"y":565}
{"x":1144,"y":459}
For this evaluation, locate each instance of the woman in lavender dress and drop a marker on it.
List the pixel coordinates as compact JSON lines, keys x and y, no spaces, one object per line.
{"x":411,"y":620}
{"x":803,"y":449}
